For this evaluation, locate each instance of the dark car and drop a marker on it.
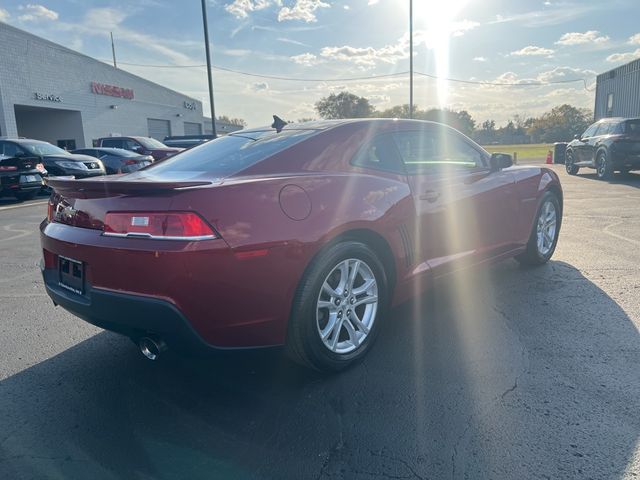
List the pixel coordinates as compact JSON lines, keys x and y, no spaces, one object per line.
{"x":186,"y":141}
{"x":20,"y":175}
{"x":117,"y":160}
{"x":300,"y":237}
{"x":140,"y":145}
{"x":609,"y":145}
{"x":56,"y":161}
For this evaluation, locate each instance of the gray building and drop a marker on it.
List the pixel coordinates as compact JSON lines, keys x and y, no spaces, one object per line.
{"x":618,"y":92}
{"x":49,"y":92}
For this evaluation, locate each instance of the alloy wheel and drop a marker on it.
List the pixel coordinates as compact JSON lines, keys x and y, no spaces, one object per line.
{"x":546,"y":227}
{"x":347,"y":306}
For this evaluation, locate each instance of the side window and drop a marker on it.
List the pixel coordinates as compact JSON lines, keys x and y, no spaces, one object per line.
{"x":130,"y":144}
{"x":590,"y":132}
{"x":603,"y":129}
{"x":112,"y":143}
{"x":420,"y":150}
{"x":380,"y":154}
{"x":10,"y":149}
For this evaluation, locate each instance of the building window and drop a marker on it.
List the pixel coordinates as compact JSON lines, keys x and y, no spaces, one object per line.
{"x":610,"y":103}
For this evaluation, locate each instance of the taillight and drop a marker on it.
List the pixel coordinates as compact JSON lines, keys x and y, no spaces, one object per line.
{"x":8,"y":168}
{"x":158,"y":225}
{"x":51,"y":209}
{"x":130,"y":162}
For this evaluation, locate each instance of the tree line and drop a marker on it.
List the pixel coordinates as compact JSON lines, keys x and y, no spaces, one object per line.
{"x":560,"y":124}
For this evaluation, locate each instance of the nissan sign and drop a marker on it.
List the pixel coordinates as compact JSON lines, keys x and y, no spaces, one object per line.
{"x":111,"y":90}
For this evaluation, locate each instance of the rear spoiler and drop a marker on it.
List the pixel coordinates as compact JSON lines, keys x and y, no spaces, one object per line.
{"x":107,"y":185}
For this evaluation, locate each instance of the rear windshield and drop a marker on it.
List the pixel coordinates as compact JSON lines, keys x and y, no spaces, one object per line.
{"x":632,"y":127}
{"x":228,"y":155}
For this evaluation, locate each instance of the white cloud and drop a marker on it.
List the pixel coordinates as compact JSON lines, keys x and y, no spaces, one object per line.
{"x":372,"y":2}
{"x":532,"y":50}
{"x":623,"y":57}
{"x":306,"y":59}
{"x":302,"y":10}
{"x":457,"y":29}
{"x":480,"y":59}
{"x":635,"y":39}
{"x":368,"y":56}
{"x":34,"y":12}
{"x":346,"y":7}
{"x":4,"y":15}
{"x":242,"y":8}
{"x":577,"y":38}
{"x":565,"y":73}
{"x":259,"y":86}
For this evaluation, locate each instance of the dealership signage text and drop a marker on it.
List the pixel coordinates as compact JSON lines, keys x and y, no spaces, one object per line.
{"x":111,"y":90}
{"x":49,"y":97}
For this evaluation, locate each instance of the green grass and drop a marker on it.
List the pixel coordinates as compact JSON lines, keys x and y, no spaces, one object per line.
{"x":534,"y":151}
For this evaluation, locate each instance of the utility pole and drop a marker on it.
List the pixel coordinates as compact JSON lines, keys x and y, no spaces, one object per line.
{"x":410,"y":58}
{"x":113,"y":51}
{"x":210,"y":78}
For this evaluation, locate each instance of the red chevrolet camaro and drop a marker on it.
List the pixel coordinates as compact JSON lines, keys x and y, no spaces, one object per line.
{"x":300,"y":236}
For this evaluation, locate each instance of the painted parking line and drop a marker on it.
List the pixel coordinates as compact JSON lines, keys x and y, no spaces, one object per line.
{"x":23,"y":205}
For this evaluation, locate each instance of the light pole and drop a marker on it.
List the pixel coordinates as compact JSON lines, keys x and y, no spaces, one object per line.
{"x":410,"y":58}
{"x":209,"y":77}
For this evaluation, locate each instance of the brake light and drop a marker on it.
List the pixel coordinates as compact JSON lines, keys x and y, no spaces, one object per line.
{"x":130,"y":162}
{"x":158,"y":225}
{"x":51,"y":209}
{"x":8,"y":168}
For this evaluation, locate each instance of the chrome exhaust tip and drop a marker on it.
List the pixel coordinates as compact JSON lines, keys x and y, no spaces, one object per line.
{"x":151,"y":347}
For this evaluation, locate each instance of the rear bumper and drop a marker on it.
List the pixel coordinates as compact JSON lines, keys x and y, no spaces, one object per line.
{"x":132,"y":315}
{"x":10,"y":182}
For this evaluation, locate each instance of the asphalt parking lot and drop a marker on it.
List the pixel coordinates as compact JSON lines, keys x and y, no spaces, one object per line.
{"x":499,"y":373}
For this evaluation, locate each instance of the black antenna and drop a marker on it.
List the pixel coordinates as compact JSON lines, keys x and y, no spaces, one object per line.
{"x":278,"y":123}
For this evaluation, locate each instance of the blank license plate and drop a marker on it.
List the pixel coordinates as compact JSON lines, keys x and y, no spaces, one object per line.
{"x":28,"y":179}
{"x":71,"y":274}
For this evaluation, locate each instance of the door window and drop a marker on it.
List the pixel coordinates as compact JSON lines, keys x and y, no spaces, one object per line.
{"x":435,"y":149}
{"x":603,"y":129}
{"x":130,"y":144}
{"x":112,"y":142}
{"x":380,"y":154}
{"x":11,"y":149}
{"x":590,"y":132}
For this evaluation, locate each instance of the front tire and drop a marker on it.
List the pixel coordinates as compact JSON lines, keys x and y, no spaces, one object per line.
{"x":604,"y":167}
{"x":569,"y":164}
{"x":544,"y":234}
{"x":338,"y":308}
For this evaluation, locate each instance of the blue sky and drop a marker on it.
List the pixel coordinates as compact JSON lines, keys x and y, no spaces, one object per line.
{"x":495,"y":41}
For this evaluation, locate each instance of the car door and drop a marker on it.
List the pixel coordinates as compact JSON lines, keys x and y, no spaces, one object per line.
{"x":582,"y":148}
{"x":465,"y":212}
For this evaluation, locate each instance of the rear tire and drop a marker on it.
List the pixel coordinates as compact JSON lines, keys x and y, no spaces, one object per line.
{"x":568,"y":164}
{"x":338,"y":308}
{"x":544,"y":233}
{"x":604,"y":168}
{"x":24,"y":196}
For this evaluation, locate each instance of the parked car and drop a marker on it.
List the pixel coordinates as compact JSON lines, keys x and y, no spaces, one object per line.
{"x":117,"y":160}
{"x":139,"y":145}
{"x":186,"y":141}
{"x":20,"y":175}
{"x":301,"y":236}
{"x":609,"y":145}
{"x":56,"y":161}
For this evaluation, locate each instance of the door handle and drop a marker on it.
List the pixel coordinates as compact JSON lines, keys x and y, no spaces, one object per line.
{"x":430,"y":196}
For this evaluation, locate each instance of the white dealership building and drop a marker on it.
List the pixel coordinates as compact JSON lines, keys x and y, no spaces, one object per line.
{"x":49,"y":92}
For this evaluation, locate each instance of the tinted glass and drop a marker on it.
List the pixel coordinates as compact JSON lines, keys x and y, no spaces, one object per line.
{"x":9,"y":149}
{"x":112,"y":142}
{"x":150,"y":143}
{"x":589,"y":132}
{"x":119,"y":152}
{"x":131,"y":144}
{"x":604,"y":129}
{"x":632,"y":127}
{"x":435,"y":149}
{"x":43,"y":148}
{"x":228,"y":155}
{"x":90,"y":152}
{"x":381,"y":154}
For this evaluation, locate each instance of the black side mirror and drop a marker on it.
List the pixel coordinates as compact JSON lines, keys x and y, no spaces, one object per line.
{"x":499,"y":161}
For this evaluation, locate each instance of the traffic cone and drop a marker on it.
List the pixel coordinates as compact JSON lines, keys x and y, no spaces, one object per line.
{"x":549,"y":158}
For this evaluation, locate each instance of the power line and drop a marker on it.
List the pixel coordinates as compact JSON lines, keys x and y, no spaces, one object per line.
{"x":370,"y":77}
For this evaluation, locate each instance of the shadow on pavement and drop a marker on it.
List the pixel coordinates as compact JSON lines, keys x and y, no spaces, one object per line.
{"x":500,"y":373}
{"x":631,"y":179}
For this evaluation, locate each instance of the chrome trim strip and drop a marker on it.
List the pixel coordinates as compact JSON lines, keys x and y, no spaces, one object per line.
{"x":155,"y":237}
